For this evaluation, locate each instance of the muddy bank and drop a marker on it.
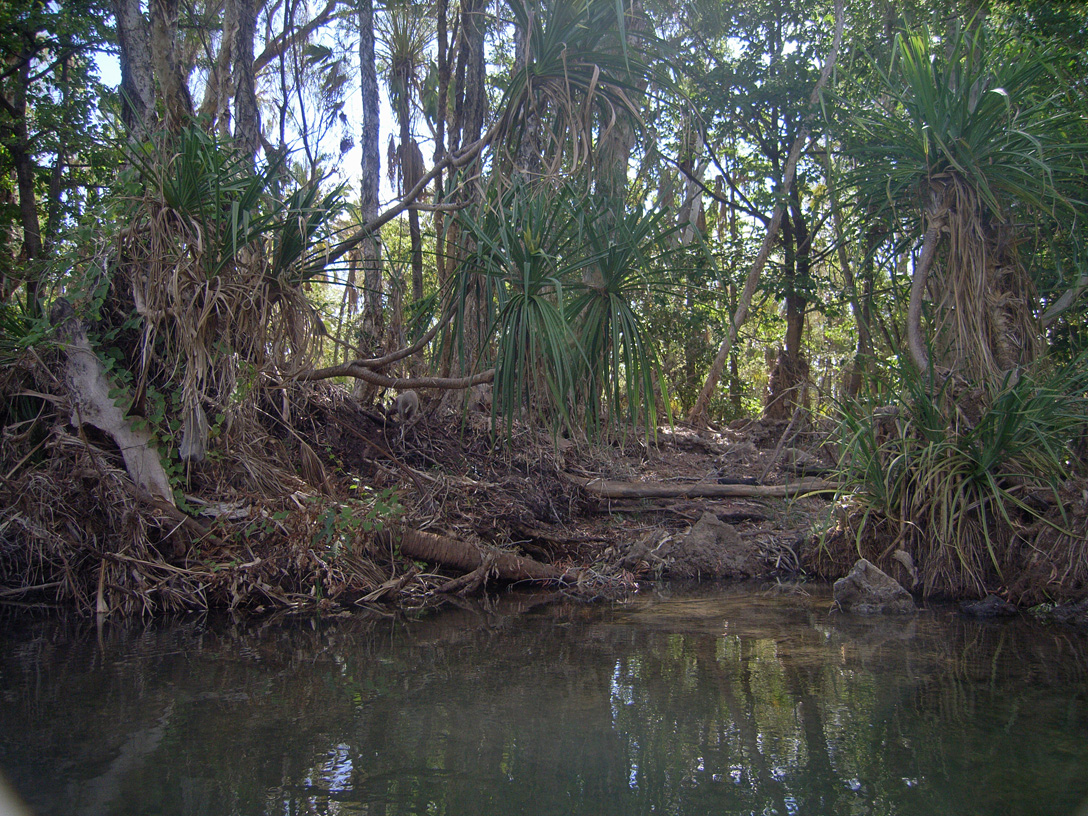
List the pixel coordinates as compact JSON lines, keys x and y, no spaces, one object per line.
{"x":337,"y":505}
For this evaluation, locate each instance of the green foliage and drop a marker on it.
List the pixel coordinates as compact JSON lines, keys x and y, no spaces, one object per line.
{"x":958,"y":472}
{"x":992,"y":114}
{"x":564,"y":282}
{"x":225,"y":206}
{"x":525,"y":251}
{"x":629,"y":257}
{"x":585,"y":67}
{"x":339,"y":525}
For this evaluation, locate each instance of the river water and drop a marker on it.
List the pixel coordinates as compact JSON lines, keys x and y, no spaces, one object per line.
{"x":718,"y":701}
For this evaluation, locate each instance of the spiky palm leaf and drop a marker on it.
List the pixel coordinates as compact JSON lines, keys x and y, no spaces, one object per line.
{"x":970,"y":141}
{"x":581,"y":68}
{"x":629,"y":257}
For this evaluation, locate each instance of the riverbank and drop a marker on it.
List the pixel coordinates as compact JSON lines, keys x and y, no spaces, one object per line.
{"x":341,"y":508}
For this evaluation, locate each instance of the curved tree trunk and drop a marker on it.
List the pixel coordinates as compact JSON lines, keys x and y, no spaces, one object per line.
{"x":915,"y":342}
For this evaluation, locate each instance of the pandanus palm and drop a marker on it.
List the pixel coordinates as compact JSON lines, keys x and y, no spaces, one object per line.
{"x":969,"y":147}
{"x":581,"y":68}
{"x":405,"y":32}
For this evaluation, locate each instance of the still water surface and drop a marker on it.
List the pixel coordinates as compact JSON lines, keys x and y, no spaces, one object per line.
{"x":725,"y":701}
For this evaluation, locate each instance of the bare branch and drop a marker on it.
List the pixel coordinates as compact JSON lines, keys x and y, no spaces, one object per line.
{"x":400,"y":383}
{"x":279,"y":45}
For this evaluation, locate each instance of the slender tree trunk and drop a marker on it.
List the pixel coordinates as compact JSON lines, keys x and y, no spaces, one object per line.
{"x":698,"y":413}
{"x":60,"y":163}
{"x":175,"y":91}
{"x":137,"y":79}
{"x":17,"y":141}
{"x":218,"y":90}
{"x":411,"y":168}
{"x":470,"y":110}
{"x":787,"y":386}
{"x":247,"y":118}
{"x":916,"y":343}
{"x":373,"y":314}
{"x":615,"y":146}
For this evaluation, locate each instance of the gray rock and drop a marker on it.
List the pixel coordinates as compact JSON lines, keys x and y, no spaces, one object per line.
{"x":1075,"y":614}
{"x":869,"y":591}
{"x":989,"y":607}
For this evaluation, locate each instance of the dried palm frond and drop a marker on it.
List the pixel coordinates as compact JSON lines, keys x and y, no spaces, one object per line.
{"x":216,"y":265}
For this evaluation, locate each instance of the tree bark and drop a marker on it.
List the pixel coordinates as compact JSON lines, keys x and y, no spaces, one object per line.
{"x":373,"y":323}
{"x":137,"y":79}
{"x":16,"y":137}
{"x":615,"y":146}
{"x":915,"y":342}
{"x":175,"y":91}
{"x":460,"y":555}
{"x":247,"y":117}
{"x":787,"y":384}
{"x":217,"y":91}
{"x":608,"y":489}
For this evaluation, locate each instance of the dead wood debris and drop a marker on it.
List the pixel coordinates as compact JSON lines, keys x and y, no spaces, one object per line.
{"x":644,"y":490}
{"x":286,"y":510}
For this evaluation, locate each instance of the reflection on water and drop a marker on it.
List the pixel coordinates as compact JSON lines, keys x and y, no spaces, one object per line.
{"x":734,"y":701}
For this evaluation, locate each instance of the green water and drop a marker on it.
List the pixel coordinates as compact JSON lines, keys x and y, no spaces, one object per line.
{"x":728,"y":701}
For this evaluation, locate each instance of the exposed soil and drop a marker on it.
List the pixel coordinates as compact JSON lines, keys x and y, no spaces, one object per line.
{"x":526,"y":496}
{"x":333,"y":504}
{"x":327,"y":503}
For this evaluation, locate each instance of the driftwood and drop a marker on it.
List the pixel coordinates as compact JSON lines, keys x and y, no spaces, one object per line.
{"x":92,"y":404}
{"x":608,"y":489}
{"x":461,"y":555}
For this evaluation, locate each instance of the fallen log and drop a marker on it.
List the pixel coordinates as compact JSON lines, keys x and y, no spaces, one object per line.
{"x":607,"y":489}
{"x":461,"y":555}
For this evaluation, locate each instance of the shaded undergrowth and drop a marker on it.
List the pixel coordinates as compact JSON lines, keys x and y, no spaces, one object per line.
{"x":964,"y":491}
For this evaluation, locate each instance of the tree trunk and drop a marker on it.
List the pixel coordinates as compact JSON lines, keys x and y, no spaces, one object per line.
{"x":787,"y":387}
{"x":916,"y":344}
{"x":460,"y":555}
{"x":175,"y":91}
{"x":608,"y":489}
{"x":218,"y":90}
{"x":137,"y":80}
{"x":247,"y":118}
{"x":469,"y":112}
{"x":373,"y":315}
{"x":698,"y":413}
{"x":411,"y":164}
{"x":17,"y":140}
{"x":614,"y":147}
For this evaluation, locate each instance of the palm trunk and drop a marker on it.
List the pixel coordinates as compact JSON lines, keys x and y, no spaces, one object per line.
{"x":373,"y":316}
